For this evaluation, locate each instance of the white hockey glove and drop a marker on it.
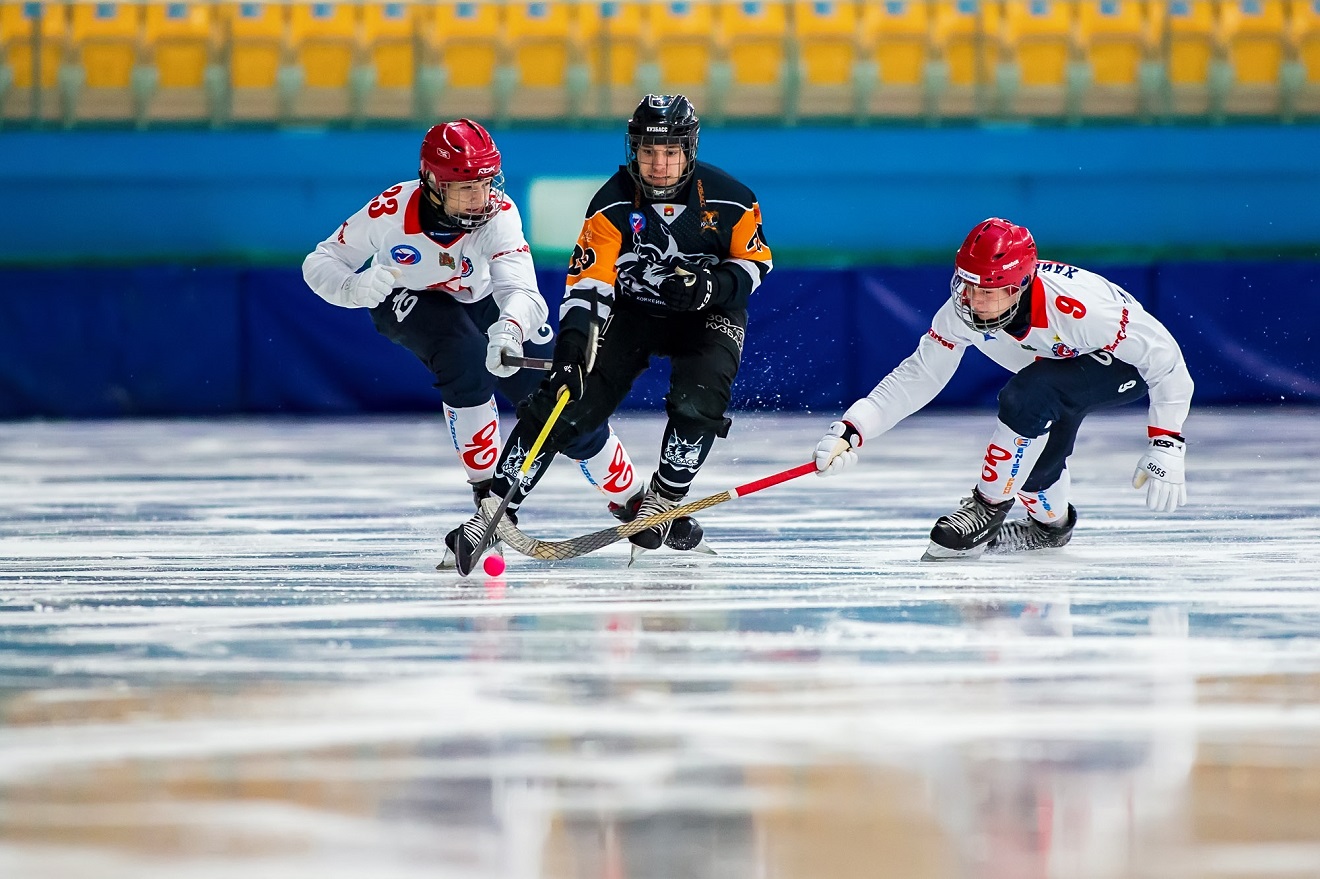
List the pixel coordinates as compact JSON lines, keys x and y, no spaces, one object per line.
{"x":835,"y":452}
{"x":368,"y":288}
{"x":1161,"y":471}
{"x":505,"y":338}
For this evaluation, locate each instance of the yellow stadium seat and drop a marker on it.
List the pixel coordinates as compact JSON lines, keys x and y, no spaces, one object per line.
{"x":1038,"y":73}
{"x":98,"y":79}
{"x":1121,"y":46}
{"x":1192,"y":56}
{"x":389,"y":42}
{"x":756,"y":36}
{"x":687,"y":44}
{"x":964,"y":37}
{"x":1302,"y":74}
{"x":324,"y":39}
{"x":898,"y":36}
{"x":256,"y":34}
{"x":1254,"y":34}
{"x":181,"y":53}
{"x":629,"y":67}
{"x":28,"y":78}
{"x":551,"y":66}
{"x":463,"y":47}
{"x":325,"y":49}
{"x":829,"y":58}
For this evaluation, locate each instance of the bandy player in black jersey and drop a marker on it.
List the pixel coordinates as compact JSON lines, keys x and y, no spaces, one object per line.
{"x":441,"y":264}
{"x":670,"y":253}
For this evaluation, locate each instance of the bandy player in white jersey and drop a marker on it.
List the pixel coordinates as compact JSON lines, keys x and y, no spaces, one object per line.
{"x":1076,"y":343}
{"x":444,"y":267}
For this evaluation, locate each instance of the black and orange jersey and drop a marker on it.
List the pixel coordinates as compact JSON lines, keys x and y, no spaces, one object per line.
{"x":718,"y":223}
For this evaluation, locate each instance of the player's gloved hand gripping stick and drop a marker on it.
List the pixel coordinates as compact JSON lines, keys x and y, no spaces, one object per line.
{"x":465,"y":565}
{"x":558,"y":550}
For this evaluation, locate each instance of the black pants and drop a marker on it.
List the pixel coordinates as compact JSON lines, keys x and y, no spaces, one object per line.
{"x":1055,"y":395}
{"x":449,"y":337}
{"x":704,"y":351}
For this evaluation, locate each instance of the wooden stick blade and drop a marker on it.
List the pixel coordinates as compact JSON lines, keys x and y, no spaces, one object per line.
{"x":561,"y":550}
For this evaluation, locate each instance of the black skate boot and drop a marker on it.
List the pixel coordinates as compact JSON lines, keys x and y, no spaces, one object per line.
{"x":685,"y":533}
{"x":465,"y":536}
{"x":655,"y":500}
{"x":1027,"y":534}
{"x":965,"y":532}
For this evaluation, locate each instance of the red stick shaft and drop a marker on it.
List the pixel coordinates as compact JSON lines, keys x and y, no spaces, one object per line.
{"x":767,"y":481}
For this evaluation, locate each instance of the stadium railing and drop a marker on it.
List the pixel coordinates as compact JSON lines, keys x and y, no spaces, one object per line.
{"x":585,"y":61}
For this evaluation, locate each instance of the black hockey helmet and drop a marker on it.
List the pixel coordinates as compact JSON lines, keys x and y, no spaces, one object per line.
{"x":663,"y":119}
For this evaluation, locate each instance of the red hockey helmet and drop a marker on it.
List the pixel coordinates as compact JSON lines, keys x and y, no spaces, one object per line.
{"x":462,"y":151}
{"x":996,"y":255}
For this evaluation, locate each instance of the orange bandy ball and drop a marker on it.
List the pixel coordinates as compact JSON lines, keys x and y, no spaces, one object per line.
{"x":493,"y":565}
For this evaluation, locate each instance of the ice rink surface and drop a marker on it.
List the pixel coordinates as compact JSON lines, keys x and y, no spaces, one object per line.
{"x":225,"y":651}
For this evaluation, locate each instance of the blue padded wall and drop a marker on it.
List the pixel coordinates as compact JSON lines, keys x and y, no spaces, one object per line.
{"x":167,"y":340}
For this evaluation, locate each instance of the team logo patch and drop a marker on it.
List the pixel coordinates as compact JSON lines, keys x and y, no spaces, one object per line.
{"x":668,"y":210}
{"x":1063,"y":351}
{"x":637,"y":221}
{"x":446,"y":259}
{"x":708,"y":221}
{"x":405,"y":255}
{"x":682,"y":454}
{"x":582,"y":260}
{"x":467,"y":268}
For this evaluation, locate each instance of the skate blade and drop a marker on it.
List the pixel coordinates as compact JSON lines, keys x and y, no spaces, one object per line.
{"x":936,"y":553}
{"x":703,"y":547}
{"x":447,"y":562}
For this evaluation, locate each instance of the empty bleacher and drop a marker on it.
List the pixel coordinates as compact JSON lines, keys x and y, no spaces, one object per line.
{"x":588,"y":61}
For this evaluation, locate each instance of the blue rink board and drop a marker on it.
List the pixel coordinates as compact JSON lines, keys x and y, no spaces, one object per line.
{"x":204,"y":341}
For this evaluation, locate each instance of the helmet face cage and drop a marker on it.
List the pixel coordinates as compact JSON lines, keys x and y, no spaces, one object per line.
{"x":462,"y":151}
{"x":996,"y":255}
{"x":958,"y":292}
{"x":467,"y":221}
{"x":663,"y":120}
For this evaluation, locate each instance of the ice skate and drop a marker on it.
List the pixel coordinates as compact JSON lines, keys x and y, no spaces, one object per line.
{"x":462,"y":543}
{"x":1027,"y":534}
{"x":459,"y":536}
{"x":654,"y":501}
{"x":685,"y":533}
{"x":964,"y":533}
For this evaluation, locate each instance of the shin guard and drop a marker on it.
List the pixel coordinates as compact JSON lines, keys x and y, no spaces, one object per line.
{"x":1009,"y":458}
{"x":1049,"y":505}
{"x":611,"y":471}
{"x":475,"y":432}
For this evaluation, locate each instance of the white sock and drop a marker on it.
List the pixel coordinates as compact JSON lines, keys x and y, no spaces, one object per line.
{"x":1049,"y":506}
{"x":1008,"y":460}
{"x":611,"y":470}
{"x":475,"y":432}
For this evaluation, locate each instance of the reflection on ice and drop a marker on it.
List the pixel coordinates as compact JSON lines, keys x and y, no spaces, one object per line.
{"x":226,"y":644}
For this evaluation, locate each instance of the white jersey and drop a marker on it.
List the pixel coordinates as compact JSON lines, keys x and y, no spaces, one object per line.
{"x":493,"y":260}
{"x":1074,"y":313}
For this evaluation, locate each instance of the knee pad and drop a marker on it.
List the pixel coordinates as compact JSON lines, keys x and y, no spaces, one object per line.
{"x":1029,"y":403}
{"x":687,"y":415}
{"x":472,"y":388}
{"x":587,"y":445}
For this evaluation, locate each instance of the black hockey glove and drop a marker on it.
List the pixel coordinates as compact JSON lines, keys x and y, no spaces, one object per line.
{"x":569,"y":371}
{"x":694,"y":287}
